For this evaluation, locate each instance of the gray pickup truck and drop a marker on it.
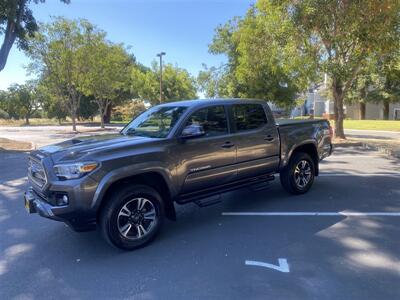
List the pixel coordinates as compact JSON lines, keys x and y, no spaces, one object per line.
{"x":187,"y":151}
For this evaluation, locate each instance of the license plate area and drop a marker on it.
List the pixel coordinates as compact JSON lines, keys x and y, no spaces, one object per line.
{"x":29,"y":203}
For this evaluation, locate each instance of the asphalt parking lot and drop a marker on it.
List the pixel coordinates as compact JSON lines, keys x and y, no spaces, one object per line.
{"x":339,"y":241}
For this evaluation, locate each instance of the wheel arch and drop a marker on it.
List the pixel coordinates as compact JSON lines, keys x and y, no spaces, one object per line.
{"x":153,"y":178}
{"x":311,"y":149}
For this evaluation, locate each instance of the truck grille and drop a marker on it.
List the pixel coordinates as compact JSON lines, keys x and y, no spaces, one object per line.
{"x":36,"y":172}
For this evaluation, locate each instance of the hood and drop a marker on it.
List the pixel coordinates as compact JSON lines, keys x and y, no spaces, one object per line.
{"x":81,"y":146}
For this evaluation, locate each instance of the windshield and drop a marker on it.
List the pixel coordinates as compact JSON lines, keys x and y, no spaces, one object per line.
{"x":157,"y":122}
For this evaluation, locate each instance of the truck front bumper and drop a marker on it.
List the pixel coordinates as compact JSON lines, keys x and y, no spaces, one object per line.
{"x":34,"y":203}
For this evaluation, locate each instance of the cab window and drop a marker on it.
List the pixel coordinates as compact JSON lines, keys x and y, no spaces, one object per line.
{"x":212,"y":119}
{"x":248,"y":116}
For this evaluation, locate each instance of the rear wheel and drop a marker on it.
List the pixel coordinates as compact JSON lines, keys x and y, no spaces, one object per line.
{"x":132,"y":217}
{"x":298,"y":176}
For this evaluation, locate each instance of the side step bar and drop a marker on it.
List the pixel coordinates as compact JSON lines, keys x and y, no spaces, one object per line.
{"x":205,"y":197}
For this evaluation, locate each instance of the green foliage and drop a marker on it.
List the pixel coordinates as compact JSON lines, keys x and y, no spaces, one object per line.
{"x":264,"y":60}
{"x":128,"y":110}
{"x":346,"y":37}
{"x":4,"y":114}
{"x":216,"y":82}
{"x":178,"y":84}
{"x":23,"y":100}
{"x":88,"y":108}
{"x":16,"y":24}
{"x":57,"y":52}
{"x":280,"y":47}
{"x":107,"y":73}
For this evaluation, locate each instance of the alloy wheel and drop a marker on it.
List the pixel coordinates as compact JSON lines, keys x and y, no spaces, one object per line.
{"x":136,"y":218}
{"x":302,"y":173}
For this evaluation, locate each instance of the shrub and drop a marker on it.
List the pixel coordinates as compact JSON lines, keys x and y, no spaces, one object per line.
{"x":128,"y":110}
{"x":4,"y":114}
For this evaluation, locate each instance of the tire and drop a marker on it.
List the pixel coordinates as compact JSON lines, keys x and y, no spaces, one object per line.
{"x":132,"y":217}
{"x":296,"y":182}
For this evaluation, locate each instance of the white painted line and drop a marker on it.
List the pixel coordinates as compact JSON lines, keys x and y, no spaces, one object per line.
{"x":361,"y":174}
{"x":353,"y":156}
{"x":315,"y":214}
{"x":282,"y":267}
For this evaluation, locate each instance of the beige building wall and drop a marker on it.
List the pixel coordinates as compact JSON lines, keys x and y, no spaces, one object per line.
{"x":394,"y":111}
{"x":373,"y":111}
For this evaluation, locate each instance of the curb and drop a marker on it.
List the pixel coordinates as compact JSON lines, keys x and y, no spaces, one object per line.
{"x":347,"y":145}
{"x":384,"y":150}
{"x":387,"y":152}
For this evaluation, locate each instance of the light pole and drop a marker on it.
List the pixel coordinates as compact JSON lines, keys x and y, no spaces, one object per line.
{"x":160,"y":55}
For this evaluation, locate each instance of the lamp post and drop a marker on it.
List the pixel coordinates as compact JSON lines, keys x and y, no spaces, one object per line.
{"x":160,"y":55}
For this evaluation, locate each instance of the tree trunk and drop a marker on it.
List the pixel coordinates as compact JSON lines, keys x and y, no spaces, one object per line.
{"x":101,"y":120}
{"x":337,"y":91}
{"x":101,"y":111}
{"x":107,"y":117}
{"x":362,"y":110}
{"x":11,"y":34}
{"x":26,"y":120}
{"x":386,"y":110}
{"x":73,"y":115}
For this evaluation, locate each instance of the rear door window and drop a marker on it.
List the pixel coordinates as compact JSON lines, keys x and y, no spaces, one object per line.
{"x":213,"y":119}
{"x":248,"y":116}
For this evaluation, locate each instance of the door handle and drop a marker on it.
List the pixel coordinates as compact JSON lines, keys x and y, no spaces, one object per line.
{"x":269,"y":138}
{"x":227,"y":145}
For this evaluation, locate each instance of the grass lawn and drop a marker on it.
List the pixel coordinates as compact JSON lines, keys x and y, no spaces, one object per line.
{"x":372,"y":125}
{"x":6,"y":144}
{"x":33,"y":122}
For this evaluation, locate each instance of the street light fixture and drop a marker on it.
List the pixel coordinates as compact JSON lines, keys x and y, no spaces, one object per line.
{"x":160,"y":55}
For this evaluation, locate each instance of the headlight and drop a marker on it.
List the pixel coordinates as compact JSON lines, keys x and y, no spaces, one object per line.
{"x":76,"y":170}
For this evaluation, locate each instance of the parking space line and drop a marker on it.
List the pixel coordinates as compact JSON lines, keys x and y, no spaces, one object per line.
{"x":361,"y":174}
{"x":315,"y":214}
{"x":282,"y":267}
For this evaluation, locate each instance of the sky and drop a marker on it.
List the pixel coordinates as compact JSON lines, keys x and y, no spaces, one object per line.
{"x":181,"y":28}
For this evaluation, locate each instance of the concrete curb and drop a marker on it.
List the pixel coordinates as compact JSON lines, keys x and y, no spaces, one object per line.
{"x":347,"y":145}
{"x":384,"y":150}
{"x":387,"y":152}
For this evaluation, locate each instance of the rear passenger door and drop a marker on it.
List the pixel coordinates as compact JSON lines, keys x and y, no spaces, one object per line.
{"x":208,"y":160}
{"x":256,"y":138}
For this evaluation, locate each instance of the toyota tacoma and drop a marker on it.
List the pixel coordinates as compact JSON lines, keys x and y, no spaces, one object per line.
{"x":126,"y":184}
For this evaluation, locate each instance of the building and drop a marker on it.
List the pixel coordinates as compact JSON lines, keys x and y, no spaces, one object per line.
{"x":317,"y":104}
{"x":373,"y":111}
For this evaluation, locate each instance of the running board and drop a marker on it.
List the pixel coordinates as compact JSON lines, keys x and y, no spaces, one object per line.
{"x":217,"y":191}
{"x":208,"y":201}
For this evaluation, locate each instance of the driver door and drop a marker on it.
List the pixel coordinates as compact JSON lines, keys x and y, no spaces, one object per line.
{"x":207,"y":160}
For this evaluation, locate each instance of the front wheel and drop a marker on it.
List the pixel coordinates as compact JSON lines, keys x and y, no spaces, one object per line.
{"x":132,"y":217}
{"x":298,"y":176}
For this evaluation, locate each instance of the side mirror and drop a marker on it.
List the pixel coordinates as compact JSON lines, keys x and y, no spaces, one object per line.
{"x":192,"y":131}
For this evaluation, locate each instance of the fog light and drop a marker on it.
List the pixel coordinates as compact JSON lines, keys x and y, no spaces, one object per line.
{"x":62,"y":200}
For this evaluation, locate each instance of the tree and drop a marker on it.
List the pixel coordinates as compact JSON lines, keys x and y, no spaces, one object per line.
{"x":262,"y":61}
{"x":346,"y":34}
{"x":379,"y":82}
{"x":107,"y":73}
{"x":25,"y":99}
{"x":178,"y":84}
{"x":214,"y":81}
{"x":16,"y":23}
{"x":281,"y":46}
{"x":55,"y":52}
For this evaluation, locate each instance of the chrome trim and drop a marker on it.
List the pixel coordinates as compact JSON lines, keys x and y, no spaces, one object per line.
{"x":36,"y":172}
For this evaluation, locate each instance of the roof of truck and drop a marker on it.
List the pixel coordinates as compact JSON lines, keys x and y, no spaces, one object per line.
{"x":200,"y":102}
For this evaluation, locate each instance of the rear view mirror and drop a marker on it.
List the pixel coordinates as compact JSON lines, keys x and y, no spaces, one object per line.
{"x":192,"y":131}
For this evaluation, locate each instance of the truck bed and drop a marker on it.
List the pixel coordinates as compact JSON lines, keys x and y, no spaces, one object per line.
{"x":288,"y":122}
